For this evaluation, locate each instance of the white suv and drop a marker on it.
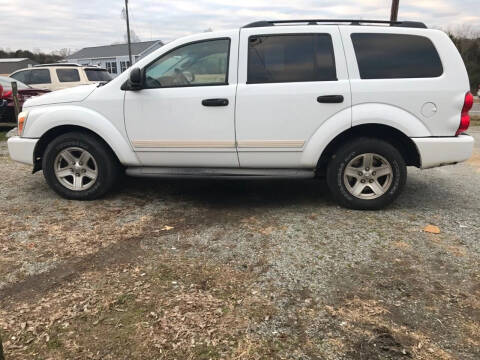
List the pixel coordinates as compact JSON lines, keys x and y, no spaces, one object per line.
{"x":355,"y":101}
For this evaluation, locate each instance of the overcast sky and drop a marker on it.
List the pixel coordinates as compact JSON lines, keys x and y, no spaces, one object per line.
{"x":54,"y":24}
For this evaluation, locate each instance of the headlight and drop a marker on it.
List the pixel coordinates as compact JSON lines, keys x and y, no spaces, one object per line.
{"x":22,"y":121}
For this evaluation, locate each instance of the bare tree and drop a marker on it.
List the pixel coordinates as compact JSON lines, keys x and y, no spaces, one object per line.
{"x":133,"y":37}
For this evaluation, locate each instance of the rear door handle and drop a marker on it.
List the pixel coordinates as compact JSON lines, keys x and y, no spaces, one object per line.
{"x":215,"y":102}
{"x":330,"y":99}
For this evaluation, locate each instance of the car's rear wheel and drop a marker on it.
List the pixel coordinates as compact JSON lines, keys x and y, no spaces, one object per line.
{"x":79,"y":166}
{"x":366,"y":174}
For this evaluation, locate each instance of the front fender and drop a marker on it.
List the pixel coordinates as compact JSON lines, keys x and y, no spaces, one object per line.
{"x":40,"y":120}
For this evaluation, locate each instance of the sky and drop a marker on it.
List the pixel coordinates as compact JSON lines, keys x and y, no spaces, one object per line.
{"x":49,"y":25}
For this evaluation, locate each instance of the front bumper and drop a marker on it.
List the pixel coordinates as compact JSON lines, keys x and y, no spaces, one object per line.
{"x":439,"y":151}
{"x":21,"y":149}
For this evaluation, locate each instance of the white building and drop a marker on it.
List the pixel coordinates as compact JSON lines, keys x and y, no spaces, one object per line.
{"x":114,"y":58}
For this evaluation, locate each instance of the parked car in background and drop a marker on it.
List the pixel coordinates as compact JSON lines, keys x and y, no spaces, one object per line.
{"x":61,"y":76}
{"x":353,"y":101}
{"x":25,"y":92}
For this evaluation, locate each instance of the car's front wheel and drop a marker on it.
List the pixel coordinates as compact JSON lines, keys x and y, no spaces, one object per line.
{"x":79,"y":166}
{"x":366,"y":174}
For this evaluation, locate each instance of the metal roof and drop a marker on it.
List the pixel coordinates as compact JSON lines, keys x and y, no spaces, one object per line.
{"x":113,"y":50}
{"x":10,"y":60}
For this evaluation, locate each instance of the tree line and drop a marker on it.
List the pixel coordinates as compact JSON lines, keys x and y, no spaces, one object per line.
{"x":469,"y":48}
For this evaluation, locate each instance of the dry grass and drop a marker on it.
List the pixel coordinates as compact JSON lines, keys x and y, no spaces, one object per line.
{"x":176,"y":310}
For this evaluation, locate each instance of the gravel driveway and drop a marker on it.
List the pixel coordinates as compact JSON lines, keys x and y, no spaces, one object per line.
{"x":188,"y":269}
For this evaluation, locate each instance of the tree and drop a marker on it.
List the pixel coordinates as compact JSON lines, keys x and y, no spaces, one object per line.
{"x":133,"y":37}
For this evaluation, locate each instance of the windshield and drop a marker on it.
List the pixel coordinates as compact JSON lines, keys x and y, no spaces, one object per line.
{"x":97,"y":75}
{"x":6,"y":83}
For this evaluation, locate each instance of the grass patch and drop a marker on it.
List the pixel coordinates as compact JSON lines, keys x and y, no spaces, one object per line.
{"x":3,"y":136}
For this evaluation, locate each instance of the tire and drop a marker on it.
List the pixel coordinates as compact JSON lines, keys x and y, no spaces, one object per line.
{"x":87,"y":181}
{"x":355,"y":185}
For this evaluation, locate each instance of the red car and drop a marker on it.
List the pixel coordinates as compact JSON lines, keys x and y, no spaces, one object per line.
{"x":6,"y":97}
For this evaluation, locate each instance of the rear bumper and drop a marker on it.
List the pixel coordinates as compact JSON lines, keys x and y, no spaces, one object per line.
{"x":21,"y":149}
{"x":444,"y":150}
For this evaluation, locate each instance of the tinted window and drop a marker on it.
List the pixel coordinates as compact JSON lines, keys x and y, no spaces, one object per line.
{"x":200,"y":63}
{"x":39,"y":76}
{"x":6,"y":83}
{"x":68,"y":75}
{"x":22,"y":76}
{"x":395,"y":56}
{"x":290,"y":58}
{"x":97,"y":75}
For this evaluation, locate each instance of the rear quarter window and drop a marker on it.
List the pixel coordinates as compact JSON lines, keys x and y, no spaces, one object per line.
{"x":68,"y":75}
{"x":97,"y":75}
{"x":396,"y":56}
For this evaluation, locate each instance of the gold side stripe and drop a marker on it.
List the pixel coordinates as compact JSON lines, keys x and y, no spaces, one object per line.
{"x":219,"y":144}
{"x":271,"y":144}
{"x":182,"y":144}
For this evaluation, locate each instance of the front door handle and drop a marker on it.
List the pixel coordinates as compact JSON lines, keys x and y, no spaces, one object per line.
{"x":330,"y":99}
{"x":215,"y":102}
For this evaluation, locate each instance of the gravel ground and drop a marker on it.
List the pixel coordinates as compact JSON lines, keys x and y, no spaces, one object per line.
{"x":188,"y":269}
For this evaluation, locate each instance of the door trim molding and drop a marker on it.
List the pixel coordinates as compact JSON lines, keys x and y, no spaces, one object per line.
{"x":296,"y":144}
{"x":271,"y":144}
{"x":182,"y":144}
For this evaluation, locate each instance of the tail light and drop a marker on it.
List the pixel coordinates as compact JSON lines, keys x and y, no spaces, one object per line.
{"x":465,"y":118}
{"x":7,"y":94}
{"x":1,"y":91}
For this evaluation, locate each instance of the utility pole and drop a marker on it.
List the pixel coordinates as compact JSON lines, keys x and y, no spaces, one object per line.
{"x":128,"y":33}
{"x":394,"y":14}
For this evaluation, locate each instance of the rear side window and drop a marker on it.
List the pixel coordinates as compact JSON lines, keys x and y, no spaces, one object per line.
{"x":39,"y":76}
{"x":396,"y":56}
{"x":290,"y":58}
{"x":68,"y":75}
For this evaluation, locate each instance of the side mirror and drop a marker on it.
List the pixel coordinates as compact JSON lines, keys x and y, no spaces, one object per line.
{"x":135,"y":79}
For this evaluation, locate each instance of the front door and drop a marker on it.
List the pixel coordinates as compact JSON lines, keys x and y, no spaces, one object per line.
{"x":184,"y":115}
{"x":291,"y":81}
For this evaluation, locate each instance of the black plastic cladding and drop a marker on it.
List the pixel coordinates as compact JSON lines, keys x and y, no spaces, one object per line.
{"x":410,"y":24}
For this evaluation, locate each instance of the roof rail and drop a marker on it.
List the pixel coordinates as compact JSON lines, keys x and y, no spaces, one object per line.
{"x":58,"y":64}
{"x":410,"y":24}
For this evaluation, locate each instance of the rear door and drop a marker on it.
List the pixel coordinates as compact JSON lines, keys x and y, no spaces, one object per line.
{"x":291,"y":80}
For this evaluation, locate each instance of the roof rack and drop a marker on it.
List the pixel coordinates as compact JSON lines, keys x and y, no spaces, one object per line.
{"x":410,"y":24}
{"x":58,"y":64}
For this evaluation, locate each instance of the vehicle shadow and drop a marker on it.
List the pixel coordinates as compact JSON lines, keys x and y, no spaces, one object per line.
{"x":228,"y":193}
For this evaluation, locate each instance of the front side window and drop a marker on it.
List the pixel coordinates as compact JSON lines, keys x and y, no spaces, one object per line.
{"x":40,"y":76}
{"x":68,"y":75}
{"x":290,"y":58}
{"x":396,"y":56}
{"x":200,"y":63}
{"x":23,"y":76}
